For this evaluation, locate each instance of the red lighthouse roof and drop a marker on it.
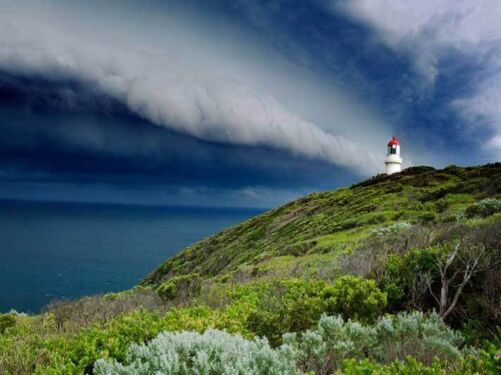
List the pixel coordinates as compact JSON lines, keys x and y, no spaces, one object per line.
{"x":393,"y":142}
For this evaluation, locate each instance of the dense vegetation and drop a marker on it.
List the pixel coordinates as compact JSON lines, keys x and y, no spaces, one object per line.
{"x":397,"y":275}
{"x":322,"y":350}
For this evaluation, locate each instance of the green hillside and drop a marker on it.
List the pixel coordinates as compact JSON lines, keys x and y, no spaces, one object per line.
{"x":294,"y":239}
{"x":398,"y":274}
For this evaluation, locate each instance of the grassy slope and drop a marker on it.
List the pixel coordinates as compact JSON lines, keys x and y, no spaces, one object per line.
{"x":318,"y":227}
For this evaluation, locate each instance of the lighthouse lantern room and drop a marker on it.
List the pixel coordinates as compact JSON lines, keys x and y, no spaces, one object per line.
{"x":393,"y":160}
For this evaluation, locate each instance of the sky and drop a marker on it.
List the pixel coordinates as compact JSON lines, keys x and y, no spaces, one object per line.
{"x":241,"y":102}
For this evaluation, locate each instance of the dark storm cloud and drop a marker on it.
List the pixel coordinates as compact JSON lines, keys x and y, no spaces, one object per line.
{"x":98,"y":140}
{"x":190,"y":70}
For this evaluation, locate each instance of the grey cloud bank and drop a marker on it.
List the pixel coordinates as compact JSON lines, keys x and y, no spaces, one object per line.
{"x":177,"y":78}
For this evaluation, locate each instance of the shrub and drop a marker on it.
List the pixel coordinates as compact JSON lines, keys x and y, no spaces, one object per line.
{"x":348,"y":224}
{"x":31,"y":346}
{"x":412,"y":278}
{"x":213,"y":352}
{"x":6,"y":321}
{"x":391,"y":229}
{"x":356,"y":298}
{"x":297,"y":249}
{"x":272,"y":308}
{"x":484,"y":208}
{"x":34,"y":345}
{"x":180,"y":287}
{"x":288,"y":305}
{"x":392,"y":338}
{"x":87,"y":311}
{"x":442,"y":204}
{"x":303,"y":303}
{"x":426,"y":217}
{"x":408,"y":367}
{"x":402,"y":276}
{"x":417,"y":335}
{"x":373,"y":218}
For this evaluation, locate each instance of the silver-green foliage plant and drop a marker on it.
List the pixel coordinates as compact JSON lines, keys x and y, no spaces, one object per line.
{"x":391,"y":338}
{"x":321,"y":351}
{"x":213,"y":352}
{"x":391,"y":229}
{"x":484,"y":208}
{"x":422,"y":337}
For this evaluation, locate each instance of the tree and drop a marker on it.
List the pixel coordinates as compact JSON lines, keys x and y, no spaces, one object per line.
{"x":456,"y":268}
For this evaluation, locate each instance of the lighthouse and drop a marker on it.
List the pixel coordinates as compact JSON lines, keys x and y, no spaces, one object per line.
{"x":393,"y":160}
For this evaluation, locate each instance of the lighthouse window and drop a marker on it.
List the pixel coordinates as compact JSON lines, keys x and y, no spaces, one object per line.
{"x":393,"y":150}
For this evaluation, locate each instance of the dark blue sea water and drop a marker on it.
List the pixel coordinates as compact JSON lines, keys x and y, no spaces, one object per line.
{"x":59,"y":250}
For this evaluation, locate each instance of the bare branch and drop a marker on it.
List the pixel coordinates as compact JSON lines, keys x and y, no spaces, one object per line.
{"x":452,"y":256}
{"x":456,"y":295}
{"x":451,"y":279}
{"x":491,"y":266}
{"x":470,"y":270}
{"x":430,"y":289}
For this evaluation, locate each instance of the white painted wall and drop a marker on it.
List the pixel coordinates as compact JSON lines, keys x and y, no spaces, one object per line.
{"x":393,"y":162}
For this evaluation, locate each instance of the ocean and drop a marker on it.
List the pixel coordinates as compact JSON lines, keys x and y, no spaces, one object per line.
{"x":53,"y":251}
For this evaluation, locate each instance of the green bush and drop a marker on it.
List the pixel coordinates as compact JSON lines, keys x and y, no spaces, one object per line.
{"x":401,"y":273}
{"x":484,"y":208}
{"x":272,"y":308}
{"x":407,"y":367}
{"x":35,"y":346}
{"x":288,"y":305}
{"x":348,"y":224}
{"x":356,"y":298}
{"x":6,"y":321}
{"x":427,"y":217}
{"x":442,"y":204}
{"x":180,"y":287}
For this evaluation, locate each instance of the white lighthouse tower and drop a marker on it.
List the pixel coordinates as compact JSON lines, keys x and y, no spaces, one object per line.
{"x":393,"y":160}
